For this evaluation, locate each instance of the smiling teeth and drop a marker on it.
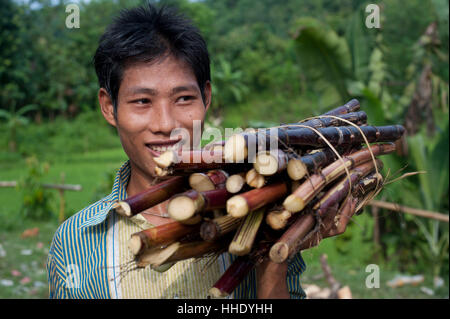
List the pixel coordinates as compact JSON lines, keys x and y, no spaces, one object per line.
{"x":163,"y":148}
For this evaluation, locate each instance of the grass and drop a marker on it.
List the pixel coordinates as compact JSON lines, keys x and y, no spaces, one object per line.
{"x":23,"y":260}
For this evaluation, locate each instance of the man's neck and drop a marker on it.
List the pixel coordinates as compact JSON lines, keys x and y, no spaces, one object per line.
{"x":139,"y":181}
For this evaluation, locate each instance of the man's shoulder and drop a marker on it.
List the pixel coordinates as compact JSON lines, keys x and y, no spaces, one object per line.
{"x":75,"y":223}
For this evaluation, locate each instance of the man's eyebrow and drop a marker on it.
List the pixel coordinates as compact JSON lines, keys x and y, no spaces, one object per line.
{"x":184,"y":88}
{"x":142,"y":90}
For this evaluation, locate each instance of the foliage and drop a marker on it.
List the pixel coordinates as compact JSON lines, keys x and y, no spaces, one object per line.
{"x":227,"y":87}
{"x":36,"y":200}
{"x":104,"y":187}
{"x":323,"y":55}
{"x":63,"y":138}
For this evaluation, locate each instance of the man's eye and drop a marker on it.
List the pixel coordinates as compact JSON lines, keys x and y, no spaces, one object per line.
{"x":142,"y":101}
{"x":185,"y":98}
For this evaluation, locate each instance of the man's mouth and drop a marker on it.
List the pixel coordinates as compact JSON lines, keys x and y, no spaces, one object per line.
{"x":161,"y":149}
{"x":157,"y":148}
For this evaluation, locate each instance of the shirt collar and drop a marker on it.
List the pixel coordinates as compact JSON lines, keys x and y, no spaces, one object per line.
{"x":119,"y":192}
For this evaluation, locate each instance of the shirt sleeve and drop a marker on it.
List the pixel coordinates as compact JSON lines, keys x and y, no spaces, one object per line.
{"x":55,"y":270}
{"x":295,"y":268}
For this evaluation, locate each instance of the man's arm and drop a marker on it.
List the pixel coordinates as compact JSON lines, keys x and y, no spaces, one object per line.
{"x":55,"y":270}
{"x":271,"y":280}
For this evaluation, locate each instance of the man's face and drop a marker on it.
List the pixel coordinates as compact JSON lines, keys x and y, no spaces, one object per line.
{"x":154,"y":99}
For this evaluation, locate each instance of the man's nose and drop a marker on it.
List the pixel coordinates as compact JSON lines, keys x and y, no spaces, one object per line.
{"x":163,"y":120}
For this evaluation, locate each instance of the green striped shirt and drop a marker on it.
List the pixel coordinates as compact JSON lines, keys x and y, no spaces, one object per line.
{"x":87,"y":259}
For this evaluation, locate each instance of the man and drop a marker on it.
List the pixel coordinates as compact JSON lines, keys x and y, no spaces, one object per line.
{"x":154,"y":74}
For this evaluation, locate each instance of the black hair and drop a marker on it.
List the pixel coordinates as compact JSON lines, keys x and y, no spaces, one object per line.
{"x":145,"y":34}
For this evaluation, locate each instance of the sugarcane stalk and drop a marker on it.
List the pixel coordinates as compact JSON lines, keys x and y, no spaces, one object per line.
{"x":208,"y":181}
{"x":245,"y":235}
{"x":358,"y":118}
{"x":310,"y":163}
{"x":237,"y":272}
{"x":154,"y":195}
{"x":295,"y":185}
{"x":188,"y":207}
{"x":283,"y":248}
{"x":172,"y":157}
{"x":195,"y":250}
{"x":177,"y":251}
{"x":268,"y":163}
{"x":316,"y":182}
{"x":236,"y":147}
{"x":254,"y":179}
{"x":215,"y":146}
{"x":236,"y":151}
{"x":338,"y":192}
{"x":235,"y":183}
{"x":367,"y":184}
{"x":351,"y":106}
{"x":187,"y":162}
{"x":213,"y":229}
{"x":241,"y":204}
{"x":159,"y":235}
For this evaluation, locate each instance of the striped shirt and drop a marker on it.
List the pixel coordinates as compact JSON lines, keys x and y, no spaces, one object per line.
{"x":88,"y":258}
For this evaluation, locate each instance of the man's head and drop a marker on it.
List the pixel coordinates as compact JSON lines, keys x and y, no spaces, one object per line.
{"x":154,"y":74}
{"x":146,"y":34}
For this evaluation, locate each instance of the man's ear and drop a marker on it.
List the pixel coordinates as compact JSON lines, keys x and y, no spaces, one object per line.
{"x":107,"y":107}
{"x":208,"y":93}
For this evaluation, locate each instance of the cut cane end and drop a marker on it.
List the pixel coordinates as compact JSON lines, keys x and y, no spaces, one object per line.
{"x":296,"y":169}
{"x":293,"y":203}
{"x":254,"y":179}
{"x":234,"y":183}
{"x":164,"y":255}
{"x":217,"y":293}
{"x":122,"y":208}
{"x":237,"y":206}
{"x":279,"y":253}
{"x":235,"y":149}
{"x":181,"y":208}
{"x":135,"y":245}
{"x":237,"y":249}
{"x":166,"y":159}
{"x":266,"y":164}
{"x":201,"y":183}
{"x":278,"y":219}
{"x":160,"y":172}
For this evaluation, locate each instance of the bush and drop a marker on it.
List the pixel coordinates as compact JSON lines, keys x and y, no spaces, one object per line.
{"x":36,"y":200}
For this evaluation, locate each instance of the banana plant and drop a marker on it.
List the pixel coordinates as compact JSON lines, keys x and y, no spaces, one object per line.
{"x":15,"y":119}
{"x":432,"y":156}
{"x":323,"y":54}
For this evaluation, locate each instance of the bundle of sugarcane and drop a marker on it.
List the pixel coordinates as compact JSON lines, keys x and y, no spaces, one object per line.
{"x":256,"y":200}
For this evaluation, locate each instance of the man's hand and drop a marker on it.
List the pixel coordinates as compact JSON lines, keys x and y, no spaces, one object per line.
{"x":334,"y":223}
